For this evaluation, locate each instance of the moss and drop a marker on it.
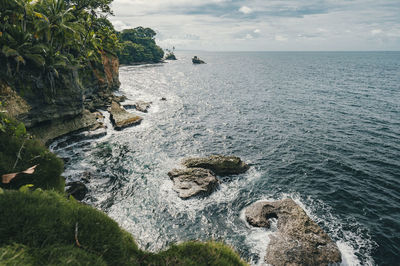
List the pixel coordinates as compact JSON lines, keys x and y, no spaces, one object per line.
{"x":196,"y":253}
{"x":43,"y":223}
{"x":16,"y":254}
{"x":13,"y":142}
{"x":45,"y":218}
{"x":66,"y":255}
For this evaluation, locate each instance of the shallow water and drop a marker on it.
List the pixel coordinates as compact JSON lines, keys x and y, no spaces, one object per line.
{"x":322,"y":128}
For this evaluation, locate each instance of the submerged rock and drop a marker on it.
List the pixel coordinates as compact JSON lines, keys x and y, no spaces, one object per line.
{"x":299,"y":240}
{"x":142,"y":106}
{"x":193,"y":181}
{"x":219,"y":164}
{"x":121,"y":118}
{"x":77,"y":189}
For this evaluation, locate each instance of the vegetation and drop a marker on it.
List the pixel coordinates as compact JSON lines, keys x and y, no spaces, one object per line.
{"x":45,"y":228}
{"x":18,"y":151}
{"x":139,"y":45}
{"x":170,"y":54}
{"x":45,"y":45}
{"x":42,"y":40}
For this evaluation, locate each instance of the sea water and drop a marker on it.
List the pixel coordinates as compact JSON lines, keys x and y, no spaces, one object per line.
{"x":322,"y":128}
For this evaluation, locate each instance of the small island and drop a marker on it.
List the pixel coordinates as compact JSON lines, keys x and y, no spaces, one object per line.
{"x":197,"y":60}
{"x":170,"y":54}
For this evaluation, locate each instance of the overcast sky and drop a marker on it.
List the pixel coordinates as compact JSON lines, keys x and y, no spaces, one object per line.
{"x":266,"y":25}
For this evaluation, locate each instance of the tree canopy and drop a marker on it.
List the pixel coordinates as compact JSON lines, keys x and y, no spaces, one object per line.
{"x":139,"y":45}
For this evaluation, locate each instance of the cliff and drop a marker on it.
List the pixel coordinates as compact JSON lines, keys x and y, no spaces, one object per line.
{"x":51,"y":113}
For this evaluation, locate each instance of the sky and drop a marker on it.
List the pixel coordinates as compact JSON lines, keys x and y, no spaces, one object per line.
{"x":265,"y":25}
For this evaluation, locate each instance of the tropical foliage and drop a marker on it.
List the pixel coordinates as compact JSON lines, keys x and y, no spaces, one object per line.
{"x":41,"y":39}
{"x":139,"y":45}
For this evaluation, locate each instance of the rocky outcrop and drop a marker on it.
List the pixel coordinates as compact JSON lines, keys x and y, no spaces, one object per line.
{"x":196,"y":60}
{"x":11,"y":103}
{"x":220,"y":165}
{"x":121,"y":118}
{"x":50,"y":130}
{"x":299,"y":240}
{"x":193,"y":181}
{"x":52,"y":107}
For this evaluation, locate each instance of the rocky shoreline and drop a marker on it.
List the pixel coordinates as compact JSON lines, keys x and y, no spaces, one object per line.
{"x":299,"y":240}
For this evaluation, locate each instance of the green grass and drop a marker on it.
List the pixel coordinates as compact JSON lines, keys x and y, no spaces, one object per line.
{"x":38,"y":228}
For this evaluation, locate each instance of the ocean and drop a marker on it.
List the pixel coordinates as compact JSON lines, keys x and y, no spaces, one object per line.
{"x":322,"y":128}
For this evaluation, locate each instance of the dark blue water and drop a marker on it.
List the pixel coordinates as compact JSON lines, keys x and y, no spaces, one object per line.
{"x":322,"y":128}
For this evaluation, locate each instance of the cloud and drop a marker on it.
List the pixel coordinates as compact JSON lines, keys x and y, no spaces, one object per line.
{"x":376,"y":31}
{"x":245,"y":10}
{"x":280,"y":38}
{"x":266,"y":25}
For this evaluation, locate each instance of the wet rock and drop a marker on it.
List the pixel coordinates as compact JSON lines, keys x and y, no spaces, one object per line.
{"x":193,"y":181}
{"x":142,"y":106}
{"x":121,"y":118}
{"x":299,"y":240}
{"x":219,"y":164}
{"x":77,"y":189}
{"x":47,"y":132}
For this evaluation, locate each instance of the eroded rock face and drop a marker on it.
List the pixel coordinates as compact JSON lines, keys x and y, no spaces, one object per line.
{"x":193,"y":181}
{"x":220,"y":165}
{"x":47,"y":132}
{"x":121,"y":118}
{"x":11,"y":103}
{"x":299,"y":240}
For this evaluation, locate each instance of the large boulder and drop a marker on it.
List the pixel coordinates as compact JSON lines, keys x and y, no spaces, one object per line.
{"x":121,"y":118}
{"x":220,"y":165}
{"x":299,"y":240}
{"x":193,"y":181}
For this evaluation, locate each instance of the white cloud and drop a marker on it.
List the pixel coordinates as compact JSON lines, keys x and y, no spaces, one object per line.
{"x":280,"y":38}
{"x":376,"y":31}
{"x":245,"y":10}
{"x":277,"y":25}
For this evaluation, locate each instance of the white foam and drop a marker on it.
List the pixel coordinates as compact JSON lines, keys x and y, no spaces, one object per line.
{"x":349,"y":245}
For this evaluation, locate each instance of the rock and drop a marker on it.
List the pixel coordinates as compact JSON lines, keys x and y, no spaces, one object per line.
{"x":299,"y":240}
{"x":77,"y":189}
{"x":142,"y":106}
{"x":11,"y":103}
{"x":170,"y":56}
{"x":220,"y":165}
{"x":163,"y":99}
{"x":196,"y":60}
{"x":46,"y":132}
{"x":121,"y":118}
{"x":118,"y":99}
{"x":193,"y":181}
